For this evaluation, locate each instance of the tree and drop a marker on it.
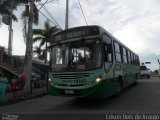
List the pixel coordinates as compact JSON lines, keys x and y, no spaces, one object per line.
{"x":44,"y":36}
{"x":7,"y":7}
{"x":39,"y":52}
{"x":6,"y":11}
{"x":156,"y":71}
{"x":32,"y":13}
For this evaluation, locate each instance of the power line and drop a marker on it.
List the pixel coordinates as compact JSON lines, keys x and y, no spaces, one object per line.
{"x":21,"y":18}
{"x":51,"y":16}
{"x":49,"y":19}
{"x":42,"y":5}
{"x":20,"y":9}
{"x":55,"y":22}
{"x":82,"y":12}
{"x":45,"y":3}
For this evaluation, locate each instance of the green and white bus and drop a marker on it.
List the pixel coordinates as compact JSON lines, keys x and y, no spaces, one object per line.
{"x":89,"y":62}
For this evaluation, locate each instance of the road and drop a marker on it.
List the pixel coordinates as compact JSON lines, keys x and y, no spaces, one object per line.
{"x":141,"y":98}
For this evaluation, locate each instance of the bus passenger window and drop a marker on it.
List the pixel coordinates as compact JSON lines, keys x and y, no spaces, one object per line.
{"x":129,"y":57}
{"x":124,"y":55}
{"x":107,"y":58}
{"x":108,"y":48}
{"x":117,"y":52}
{"x":108,"y":53}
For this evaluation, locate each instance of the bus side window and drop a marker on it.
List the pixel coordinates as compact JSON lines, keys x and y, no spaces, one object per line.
{"x":129,"y":57}
{"x":108,"y":53}
{"x":107,"y":48}
{"x":124,"y":55}
{"x":107,"y":57}
{"x":117,"y":52}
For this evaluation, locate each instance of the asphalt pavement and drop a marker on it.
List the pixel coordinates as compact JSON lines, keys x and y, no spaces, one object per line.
{"x":143,"y":98}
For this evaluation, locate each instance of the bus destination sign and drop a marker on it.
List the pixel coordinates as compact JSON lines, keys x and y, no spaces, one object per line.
{"x":76,"y":33}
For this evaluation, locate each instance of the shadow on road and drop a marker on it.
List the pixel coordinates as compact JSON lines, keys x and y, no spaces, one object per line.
{"x":93,"y":103}
{"x":143,"y":97}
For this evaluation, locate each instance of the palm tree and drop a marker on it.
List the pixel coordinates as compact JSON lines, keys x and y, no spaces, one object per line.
{"x":5,"y":9}
{"x":32,"y":14}
{"x":39,"y":52}
{"x":44,"y":36}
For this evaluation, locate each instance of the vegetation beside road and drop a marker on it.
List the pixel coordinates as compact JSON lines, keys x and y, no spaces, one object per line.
{"x":155,"y":73}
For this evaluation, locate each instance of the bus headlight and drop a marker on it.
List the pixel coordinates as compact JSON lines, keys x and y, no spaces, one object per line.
{"x":49,"y":80}
{"x":98,"y":79}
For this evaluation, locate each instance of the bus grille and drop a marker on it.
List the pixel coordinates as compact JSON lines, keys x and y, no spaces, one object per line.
{"x":71,"y":76}
{"x":71,"y":79}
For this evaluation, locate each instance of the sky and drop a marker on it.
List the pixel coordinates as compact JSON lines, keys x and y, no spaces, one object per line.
{"x":136,"y":23}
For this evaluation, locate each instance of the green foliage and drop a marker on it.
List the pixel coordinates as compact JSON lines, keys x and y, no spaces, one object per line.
{"x":44,"y":36}
{"x":155,"y":73}
{"x":7,"y":6}
{"x":39,"y":52}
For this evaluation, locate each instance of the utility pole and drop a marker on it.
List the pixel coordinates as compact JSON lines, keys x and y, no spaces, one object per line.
{"x":28,"y":54}
{"x":10,"y":35}
{"x":66,"y":27}
{"x":7,"y":19}
{"x":10,"y":41}
{"x":66,"y":18}
{"x":159,"y":64}
{"x":45,"y":54}
{"x":159,"y":67}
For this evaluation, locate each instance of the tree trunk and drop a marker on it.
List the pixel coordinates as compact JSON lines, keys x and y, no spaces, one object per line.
{"x":28,"y":54}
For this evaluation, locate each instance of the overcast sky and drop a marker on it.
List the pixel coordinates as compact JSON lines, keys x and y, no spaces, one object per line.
{"x":136,"y":23}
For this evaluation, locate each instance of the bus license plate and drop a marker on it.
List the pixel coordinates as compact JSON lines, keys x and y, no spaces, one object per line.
{"x":69,"y":92}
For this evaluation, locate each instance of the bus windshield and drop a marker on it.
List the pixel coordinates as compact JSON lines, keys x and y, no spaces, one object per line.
{"x":77,"y":56}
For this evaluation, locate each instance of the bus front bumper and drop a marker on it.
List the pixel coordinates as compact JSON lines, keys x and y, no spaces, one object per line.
{"x":101,"y":90}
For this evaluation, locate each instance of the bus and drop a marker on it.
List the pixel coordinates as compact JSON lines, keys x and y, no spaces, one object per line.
{"x":88,"y":62}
